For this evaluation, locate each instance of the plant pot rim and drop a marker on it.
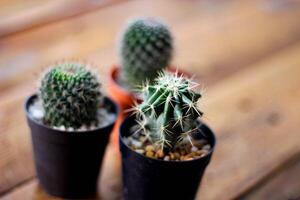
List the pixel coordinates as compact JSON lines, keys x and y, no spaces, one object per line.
{"x":29,"y":100}
{"x":212,"y":142}
{"x":114,"y":74}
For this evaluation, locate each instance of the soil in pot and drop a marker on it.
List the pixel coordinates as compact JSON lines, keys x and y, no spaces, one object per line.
{"x":190,"y":150}
{"x":68,"y":161}
{"x":159,"y":175}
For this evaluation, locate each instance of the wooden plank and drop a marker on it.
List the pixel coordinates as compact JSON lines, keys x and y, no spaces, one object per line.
{"x":287,"y":181}
{"x":255,"y":114}
{"x":76,"y":38}
{"x":15,"y":153}
{"x":30,"y":53}
{"x":213,"y":45}
{"x":16,"y":16}
{"x":221,"y":45}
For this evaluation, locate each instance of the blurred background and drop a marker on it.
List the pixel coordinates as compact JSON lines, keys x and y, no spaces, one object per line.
{"x":245,"y":54}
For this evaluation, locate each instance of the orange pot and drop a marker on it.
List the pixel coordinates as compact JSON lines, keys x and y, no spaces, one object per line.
{"x":124,"y":99}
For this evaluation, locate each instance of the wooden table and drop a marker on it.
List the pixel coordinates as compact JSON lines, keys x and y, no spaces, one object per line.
{"x":246,"y":54}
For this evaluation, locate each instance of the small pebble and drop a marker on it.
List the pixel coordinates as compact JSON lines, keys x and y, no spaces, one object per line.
{"x":142,"y":139}
{"x":181,"y":157}
{"x":140,"y":151}
{"x":172,"y":156}
{"x":194,"y":154}
{"x":199,"y":143}
{"x":194,"y":149}
{"x":167,"y":158}
{"x":62,"y":128}
{"x":150,"y":154}
{"x":160,"y":153}
{"x":202,"y":152}
{"x":206,"y":147}
{"x":71,"y":129}
{"x":136,"y":143}
{"x":149,"y":148}
{"x":177,"y":155}
{"x":187,"y":157}
{"x":182,"y":152}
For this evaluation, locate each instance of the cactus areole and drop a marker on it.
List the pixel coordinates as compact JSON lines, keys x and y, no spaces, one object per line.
{"x":169,"y":113}
{"x":70,"y":95}
{"x":146,"y":48}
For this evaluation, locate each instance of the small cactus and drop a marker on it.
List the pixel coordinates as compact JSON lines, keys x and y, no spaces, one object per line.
{"x":169,"y":113}
{"x":146,"y":49}
{"x":70,"y":95}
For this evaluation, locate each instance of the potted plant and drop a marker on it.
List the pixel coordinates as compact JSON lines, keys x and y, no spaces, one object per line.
{"x":146,"y":48}
{"x":70,"y":121}
{"x":165,"y":147}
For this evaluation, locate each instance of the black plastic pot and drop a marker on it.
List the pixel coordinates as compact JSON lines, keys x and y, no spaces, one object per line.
{"x":68,"y":163}
{"x":148,"y":179}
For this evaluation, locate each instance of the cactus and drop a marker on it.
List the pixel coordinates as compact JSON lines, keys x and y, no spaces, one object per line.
{"x":169,"y":113}
{"x":70,"y":95}
{"x":146,"y":49}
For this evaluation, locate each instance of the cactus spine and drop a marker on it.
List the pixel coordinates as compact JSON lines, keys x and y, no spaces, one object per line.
{"x":146,"y":49}
{"x":70,"y":95}
{"x":169,"y":113}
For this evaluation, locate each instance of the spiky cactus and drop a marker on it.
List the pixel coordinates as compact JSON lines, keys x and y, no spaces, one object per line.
{"x":146,"y":49}
{"x":70,"y":95}
{"x":169,"y":113}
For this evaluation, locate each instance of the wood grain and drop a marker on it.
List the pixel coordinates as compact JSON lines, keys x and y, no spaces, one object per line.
{"x":286,"y":181}
{"x":15,"y":154}
{"x":255,"y":114}
{"x":217,"y":42}
{"x":16,"y":16}
{"x":213,"y":45}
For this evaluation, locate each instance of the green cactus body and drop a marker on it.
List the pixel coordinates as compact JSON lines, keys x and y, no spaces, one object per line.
{"x":70,"y":95}
{"x":146,"y":49}
{"x":169,"y":113}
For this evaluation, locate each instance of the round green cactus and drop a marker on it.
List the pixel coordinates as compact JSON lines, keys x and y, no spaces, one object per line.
{"x":169,"y":112}
{"x":146,"y":49}
{"x":70,"y":95}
